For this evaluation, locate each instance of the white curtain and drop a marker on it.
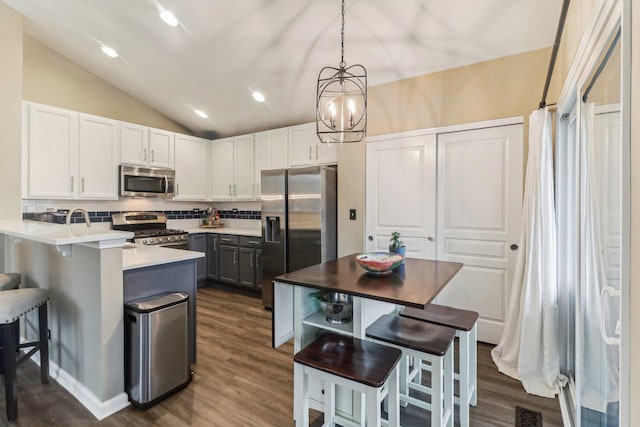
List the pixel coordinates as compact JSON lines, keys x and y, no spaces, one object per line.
{"x":528,"y":348}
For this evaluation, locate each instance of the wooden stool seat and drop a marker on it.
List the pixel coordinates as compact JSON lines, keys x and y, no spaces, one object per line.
{"x":405,"y":332}
{"x":356,"y":360}
{"x":14,"y":304}
{"x":465,"y":324}
{"x":455,"y":318}
{"x":421,"y":341}
{"x":362,"y":366}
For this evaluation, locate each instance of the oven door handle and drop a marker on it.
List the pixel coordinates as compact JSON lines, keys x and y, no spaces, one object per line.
{"x":166,"y":185}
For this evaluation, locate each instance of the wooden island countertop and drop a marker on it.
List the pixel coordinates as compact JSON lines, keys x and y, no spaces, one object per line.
{"x":414,"y":284}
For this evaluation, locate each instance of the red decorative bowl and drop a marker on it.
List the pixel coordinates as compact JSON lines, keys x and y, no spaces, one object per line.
{"x":379,"y":262}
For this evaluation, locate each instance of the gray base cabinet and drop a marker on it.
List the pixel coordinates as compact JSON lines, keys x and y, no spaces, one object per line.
{"x":250,"y":261}
{"x":198,"y":243}
{"x":212,"y":256}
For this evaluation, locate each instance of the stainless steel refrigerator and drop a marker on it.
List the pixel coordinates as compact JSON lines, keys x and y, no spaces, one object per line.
{"x":299,"y":221}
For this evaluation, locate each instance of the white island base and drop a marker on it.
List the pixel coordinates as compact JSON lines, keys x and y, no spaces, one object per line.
{"x":83,"y":270}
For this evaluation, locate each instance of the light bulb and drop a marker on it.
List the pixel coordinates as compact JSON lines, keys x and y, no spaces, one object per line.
{"x":169,"y":18}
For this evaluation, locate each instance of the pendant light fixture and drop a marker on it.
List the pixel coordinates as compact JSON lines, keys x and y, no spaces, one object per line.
{"x":341,"y":101}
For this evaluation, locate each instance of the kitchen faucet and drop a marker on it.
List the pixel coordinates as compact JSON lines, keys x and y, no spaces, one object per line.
{"x":84,"y":212}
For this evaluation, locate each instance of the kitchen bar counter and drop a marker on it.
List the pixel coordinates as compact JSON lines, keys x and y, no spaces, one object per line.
{"x":61,"y":234}
{"x":414,"y":284}
{"x":141,"y":256}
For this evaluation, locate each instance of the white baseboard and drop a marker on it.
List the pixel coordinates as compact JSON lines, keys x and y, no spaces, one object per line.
{"x":98,"y":408}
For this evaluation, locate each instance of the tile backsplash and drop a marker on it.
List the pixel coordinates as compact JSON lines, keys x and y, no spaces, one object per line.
{"x":105,"y":216}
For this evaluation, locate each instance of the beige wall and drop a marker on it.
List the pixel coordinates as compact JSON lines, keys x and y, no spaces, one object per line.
{"x":10,"y":112}
{"x":52,"y":79}
{"x":504,"y":87}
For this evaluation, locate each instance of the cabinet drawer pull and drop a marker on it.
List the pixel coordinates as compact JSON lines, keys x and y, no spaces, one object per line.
{"x":254,"y":242}
{"x":225,"y":240}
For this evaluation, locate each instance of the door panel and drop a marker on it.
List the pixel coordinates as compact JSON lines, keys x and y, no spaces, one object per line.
{"x":401,"y":194}
{"x":479,"y":211}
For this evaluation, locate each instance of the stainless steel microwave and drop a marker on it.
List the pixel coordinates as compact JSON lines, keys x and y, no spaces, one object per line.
{"x":146,"y":182}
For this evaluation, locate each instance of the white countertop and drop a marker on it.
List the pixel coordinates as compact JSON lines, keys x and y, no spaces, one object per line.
{"x":146,"y":256}
{"x":251,"y":232}
{"x":61,"y":234}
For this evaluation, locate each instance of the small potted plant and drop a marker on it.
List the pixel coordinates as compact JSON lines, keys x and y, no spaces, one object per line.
{"x":396,"y":245}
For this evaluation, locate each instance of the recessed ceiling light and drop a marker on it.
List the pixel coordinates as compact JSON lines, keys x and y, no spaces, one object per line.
{"x":258,"y":96}
{"x":201,"y":114}
{"x":169,"y":18}
{"x":109,"y":51}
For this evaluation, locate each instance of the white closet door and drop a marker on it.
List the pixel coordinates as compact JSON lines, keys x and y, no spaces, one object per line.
{"x":401,"y":194}
{"x":480,"y":184}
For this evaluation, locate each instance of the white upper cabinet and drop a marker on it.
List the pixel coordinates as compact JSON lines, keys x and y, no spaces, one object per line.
{"x":98,"y":155}
{"x":70,"y":155}
{"x":144,"y":146}
{"x":243,"y":187}
{"x":306,"y":149}
{"x":191,"y":164}
{"x":222,"y":153}
{"x":161,"y":148}
{"x":52,"y":152}
{"x":232,"y":168}
{"x":270,"y":152}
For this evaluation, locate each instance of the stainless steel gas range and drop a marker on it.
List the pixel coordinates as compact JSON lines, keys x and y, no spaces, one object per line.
{"x":150,"y":228}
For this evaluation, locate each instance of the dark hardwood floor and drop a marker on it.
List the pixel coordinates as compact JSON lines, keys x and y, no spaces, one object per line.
{"x":241,"y":381}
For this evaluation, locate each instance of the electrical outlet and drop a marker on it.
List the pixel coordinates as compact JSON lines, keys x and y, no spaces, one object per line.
{"x":352,"y":214}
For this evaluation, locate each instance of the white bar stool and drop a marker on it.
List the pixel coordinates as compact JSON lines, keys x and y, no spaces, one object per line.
{"x":14,"y":304}
{"x":465,"y":324}
{"x":421,"y":341}
{"x":362,"y":366}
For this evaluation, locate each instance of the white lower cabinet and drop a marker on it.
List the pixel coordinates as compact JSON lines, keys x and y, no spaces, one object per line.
{"x":232,"y":168}
{"x":191,"y":168}
{"x":70,"y":155}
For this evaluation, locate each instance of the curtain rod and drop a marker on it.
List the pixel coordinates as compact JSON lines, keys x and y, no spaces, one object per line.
{"x":554,"y":52}
{"x":604,"y":61}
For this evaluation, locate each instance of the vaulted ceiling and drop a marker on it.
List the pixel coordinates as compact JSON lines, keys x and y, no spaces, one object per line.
{"x":222,"y":50}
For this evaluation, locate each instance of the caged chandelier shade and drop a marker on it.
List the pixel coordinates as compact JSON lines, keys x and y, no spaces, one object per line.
{"x":341,"y":101}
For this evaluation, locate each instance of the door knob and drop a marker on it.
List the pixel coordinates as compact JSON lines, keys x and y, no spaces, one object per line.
{"x":514,"y":247}
{"x":370,"y":238}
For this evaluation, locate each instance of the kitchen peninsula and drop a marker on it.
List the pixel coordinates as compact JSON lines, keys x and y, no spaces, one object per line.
{"x":414,"y":284}
{"x":83,"y":269}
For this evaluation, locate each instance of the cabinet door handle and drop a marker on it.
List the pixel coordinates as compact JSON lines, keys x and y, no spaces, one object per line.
{"x":230,"y":189}
{"x":234,"y":258}
{"x":235,"y":190}
{"x":71,"y":183}
{"x":309,"y":152}
{"x":215,"y":244}
{"x":145,"y":155}
{"x":317,"y":156}
{"x":177,"y":189}
{"x":251,"y":261}
{"x":153,"y":157}
{"x":429,"y":238}
{"x":82,"y":184}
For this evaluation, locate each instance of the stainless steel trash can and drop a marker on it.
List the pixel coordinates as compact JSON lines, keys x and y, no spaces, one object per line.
{"x":157,"y":349}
